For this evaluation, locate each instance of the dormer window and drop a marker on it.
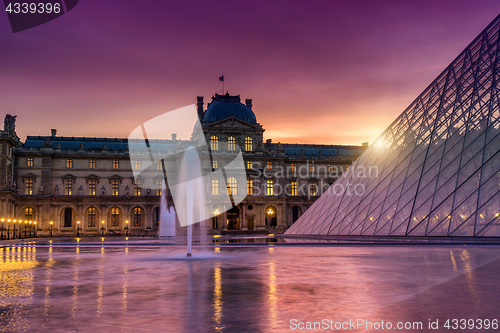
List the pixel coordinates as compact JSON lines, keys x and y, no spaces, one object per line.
{"x":31,"y":162}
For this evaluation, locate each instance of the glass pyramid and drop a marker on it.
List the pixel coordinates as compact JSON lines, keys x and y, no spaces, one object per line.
{"x":435,"y":170}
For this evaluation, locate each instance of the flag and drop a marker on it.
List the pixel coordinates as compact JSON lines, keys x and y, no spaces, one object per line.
{"x":221,"y":78}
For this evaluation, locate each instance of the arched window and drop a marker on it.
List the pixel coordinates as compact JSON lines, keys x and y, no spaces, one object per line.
{"x":214,"y":142}
{"x":28,"y":213}
{"x":248,"y":144}
{"x":137,"y":216}
{"x":115,"y":217}
{"x":231,"y":143}
{"x":232,"y":186}
{"x":68,"y":217}
{"x":91,"y":217}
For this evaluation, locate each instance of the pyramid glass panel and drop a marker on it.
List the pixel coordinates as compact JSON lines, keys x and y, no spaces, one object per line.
{"x":437,"y":165}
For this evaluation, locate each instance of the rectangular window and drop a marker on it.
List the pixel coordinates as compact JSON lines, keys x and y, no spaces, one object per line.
{"x":29,"y":186}
{"x":215,"y":164}
{"x":31,"y":162}
{"x":116,"y":164}
{"x":249,"y":165}
{"x":312,"y":167}
{"x":137,"y":165}
{"x":215,"y":187}
{"x":68,"y":187}
{"x":270,"y":187}
{"x":312,"y":188}
{"x":115,"y":186}
{"x":269,"y":165}
{"x":293,"y":167}
{"x":293,"y":188}
{"x":158,"y":186}
{"x":158,"y":165}
{"x":92,"y":164}
{"x":92,"y":187}
{"x":330,"y":167}
{"x":137,"y":188}
{"x":249,"y":186}
{"x":69,"y":163}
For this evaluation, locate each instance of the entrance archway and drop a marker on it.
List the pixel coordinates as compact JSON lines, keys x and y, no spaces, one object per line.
{"x":233,"y":219}
{"x":271,"y":216}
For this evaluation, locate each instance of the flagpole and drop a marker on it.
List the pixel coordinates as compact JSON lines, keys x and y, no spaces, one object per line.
{"x":222,"y":83}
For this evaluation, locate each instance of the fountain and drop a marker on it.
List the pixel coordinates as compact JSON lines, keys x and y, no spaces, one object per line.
{"x":167,"y":216}
{"x":189,"y":199}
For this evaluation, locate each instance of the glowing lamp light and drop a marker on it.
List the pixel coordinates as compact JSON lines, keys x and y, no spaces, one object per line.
{"x":3,"y":220}
{"x":8,"y":221}
{"x":126,"y":221}
{"x":51,"y":222}
{"x":102,"y":221}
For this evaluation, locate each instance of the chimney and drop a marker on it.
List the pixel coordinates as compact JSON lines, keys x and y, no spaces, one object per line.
{"x":199,"y":107}
{"x":174,"y":136}
{"x":53,"y":132}
{"x":248,"y":103}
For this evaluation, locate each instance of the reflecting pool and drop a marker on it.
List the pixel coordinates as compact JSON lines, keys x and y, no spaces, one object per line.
{"x":142,"y":286}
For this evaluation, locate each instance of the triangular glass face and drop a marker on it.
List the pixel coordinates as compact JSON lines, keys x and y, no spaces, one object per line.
{"x":435,"y":171}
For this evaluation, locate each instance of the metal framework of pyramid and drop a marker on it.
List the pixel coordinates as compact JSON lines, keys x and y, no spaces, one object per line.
{"x":438,"y":162}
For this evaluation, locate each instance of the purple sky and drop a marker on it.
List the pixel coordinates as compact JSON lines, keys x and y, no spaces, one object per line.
{"x":318,"y":71}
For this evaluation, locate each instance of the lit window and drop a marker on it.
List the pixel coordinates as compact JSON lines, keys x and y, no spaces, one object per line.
{"x":214,"y":142}
{"x":215,"y":164}
{"x":312,"y":188}
{"x":91,"y":217}
{"x":249,"y":186}
{"x":116,"y":164}
{"x":269,"y":165}
{"x":92,"y":164}
{"x":28,"y":213}
{"x":249,"y":165}
{"x":115,"y":217}
{"x":248,"y":144}
{"x":92,"y":187}
{"x":270,"y":187}
{"x":231,"y":143}
{"x":312,"y":167}
{"x":115,"y":186}
{"x":68,"y":187}
{"x":294,"y":188}
{"x":158,"y":165}
{"x":137,"y":165}
{"x":330,"y":167}
{"x":293,"y":167}
{"x":29,"y":186}
{"x":137,"y":217}
{"x":232,"y":186}
{"x":69,"y":163}
{"x":31,"y":162}
{"x":158,"y":186}
{"x":215,"y":187}
{"x":347,"y":166}
{"x":137,"y":188}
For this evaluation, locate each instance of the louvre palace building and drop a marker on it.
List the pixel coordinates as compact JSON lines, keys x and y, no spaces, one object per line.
{"x":68,"y":186}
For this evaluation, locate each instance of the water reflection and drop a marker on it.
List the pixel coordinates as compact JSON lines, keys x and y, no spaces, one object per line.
{"x":227,"y":289}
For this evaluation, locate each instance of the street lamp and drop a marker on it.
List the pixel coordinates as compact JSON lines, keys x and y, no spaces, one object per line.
{"x":34,"y":228}
{"x":8,"y":229}
{"x":51,"y":228}
{"x":25,"y":226}
{"x":126,"y":228}
{"x":102,"y":229}
{"x":31,"y":229}
{"x":78,"y":229}
{"x":14,"y":230}
{"x":2,"y":226}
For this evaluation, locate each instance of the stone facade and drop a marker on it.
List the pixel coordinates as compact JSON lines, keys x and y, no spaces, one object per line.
{"x":85,"y":186}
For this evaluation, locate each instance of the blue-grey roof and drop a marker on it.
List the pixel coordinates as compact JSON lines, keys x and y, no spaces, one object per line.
{"x":314,"y":149}
{"x":226,"y":106}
